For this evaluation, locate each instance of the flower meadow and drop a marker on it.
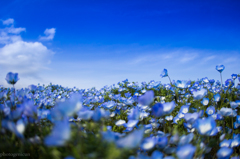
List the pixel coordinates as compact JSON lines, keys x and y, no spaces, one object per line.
{"x":149,"y":120}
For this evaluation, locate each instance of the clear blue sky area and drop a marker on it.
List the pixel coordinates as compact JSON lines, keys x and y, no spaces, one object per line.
{"x":96,"y":43}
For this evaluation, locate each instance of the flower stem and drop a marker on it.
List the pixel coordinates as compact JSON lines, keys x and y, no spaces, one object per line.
{"x":221,"y":79}
{"x":170,"y":80}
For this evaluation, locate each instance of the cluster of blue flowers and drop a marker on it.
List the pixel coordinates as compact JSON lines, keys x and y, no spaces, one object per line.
{"x":183,"y":119}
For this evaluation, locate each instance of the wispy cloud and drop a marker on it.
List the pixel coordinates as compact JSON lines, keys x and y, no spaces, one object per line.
{"x":8,"y":21}
{"x":49,"y":34}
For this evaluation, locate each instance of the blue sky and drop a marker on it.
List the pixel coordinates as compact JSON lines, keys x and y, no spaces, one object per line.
{"x":96,"y":43}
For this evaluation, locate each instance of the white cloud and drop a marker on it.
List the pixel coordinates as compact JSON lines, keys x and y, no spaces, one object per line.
{"x":8,"y":21}
{"x":26,"y":58}
{"x":49,"y":34}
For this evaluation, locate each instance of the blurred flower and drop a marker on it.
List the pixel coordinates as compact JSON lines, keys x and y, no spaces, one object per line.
{"x":32,"y":88}
{"x":234,"y":76}
{"x":217,"y":97}
{"x":168,"y":107}
{"x":60,"y":134}
{"x":186,"y":151}
{"x":157,"y":155}
{"x":132,"y":140}
{"x":147,"y":98}
{"x":120,"y":122}
{"x":205,"y":126}
{"x":227,"y":112}
{"x":12,"y":78}
{"x":148,"y":143}
{"x":164,"y":73}
{"x":186,"y":139}
{"x":220,"y":68}
{"x":191,"y":117}
{"x":224,"y":153}
{"x":229,"y":83}
{"x":199,"y":94}
{"x":162,"y":141}
{"x":157,"y":110}
{"x":225,"y":143}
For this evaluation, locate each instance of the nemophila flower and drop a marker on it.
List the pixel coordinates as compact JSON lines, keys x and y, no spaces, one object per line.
{"x":210,"y":110}
{"x":157,"y":155}
{"x":157,"y":110}
{"x":182,"y":84}
{"x":205,"y":80}
{"x":120,"y":122}
{"x":85,"y":114}
{"x":234,"y":76}
{"x":164,"y":73}
{"x":169,"y":118}
{"x":12,"y":78}
{"x":109,"y":136}
{"x":68,"y":107}
{"x":220,"y":68}
{"x":60,"y":134}
{"x":148,"y":143}
{"x":168,"y":107}
{"x":225,"y":143}
{"x":162,"y":141}
{"x":186,"y":151}
{"x":205,"y":101}
{"x":169,"y":157}
{"x":191,"y":117}
{"x":134,"y":114}
{"x":186,"y":139}
{"x":235,"y":142}
{"x":197,"y":95}
{"x":217,"y":97}
{"x":205,"y":126}
{"x":109,"y":104}
{"x":132,"y":140}
{"x":234,"y":105}
{"x":184,"y":109}
{"x":174,"y":139}
{"x":10,"y":125}
{"x":227,"y":112}
{"x":131,"y":123}
{"x":32,"y":88}
{"x":229,"y":83}
{"x":224,"y":153}
{"x":211,"y":81}
{"x":147,"y":98}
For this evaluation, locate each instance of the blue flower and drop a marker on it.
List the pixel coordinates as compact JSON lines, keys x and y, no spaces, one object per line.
{"x":168,"y":107}
{"x":205,"y":101}
{"x":217,"y":97}
{"x":164,"y":73}
{"x":199,"y":94}
{"x":162,"y":141}
{"x":157,"y":110}
{"x":32,"y":88}
{"x":224,"y":153}
{"x":205,"y":126}
{"x":157,"y":155}
{"x":220,"y":68}
{"x":229,"y":83}
{"x":148,"y":143}
{"x":60,"y":134}
{"x":234,"y":76}
{"x":225,"y":143}
{"x":132,"y":140}
{"x":12,"y":78}
{"x":210,"y":110}
{"x":147,"y":98}
{"x":191,"y":117}
{"x":186,"y":151}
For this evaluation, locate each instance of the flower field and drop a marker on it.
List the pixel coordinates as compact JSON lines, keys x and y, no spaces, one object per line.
{"x":148,"y":120}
